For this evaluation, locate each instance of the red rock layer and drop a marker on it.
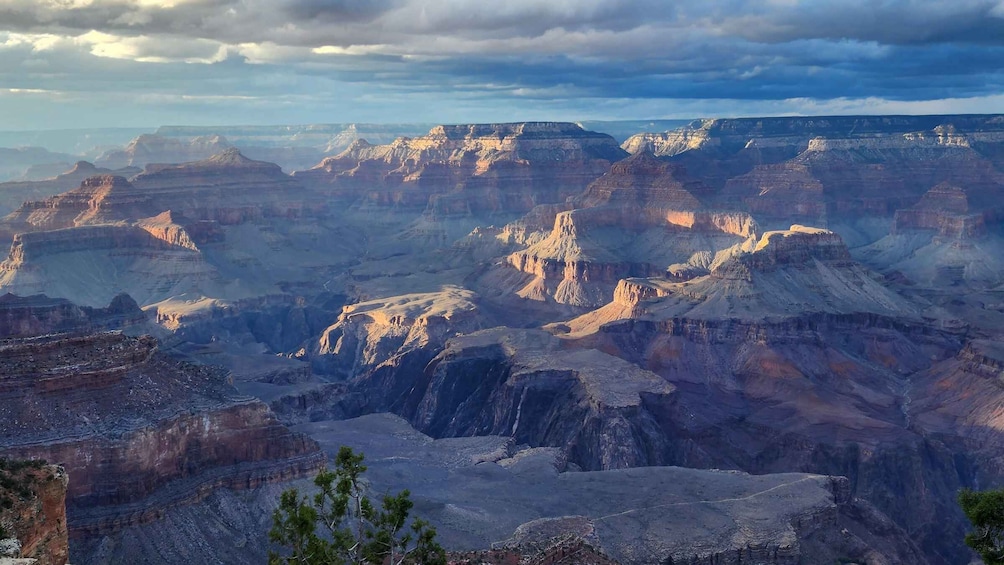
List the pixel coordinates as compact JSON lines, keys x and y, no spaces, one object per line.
{"x":137,"y":431}
{"x":227,"y":188}
{"x":38,"y":521}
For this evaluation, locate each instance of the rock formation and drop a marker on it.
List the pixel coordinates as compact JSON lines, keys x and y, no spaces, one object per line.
{"x":949,"y":237}
{"x":153,"y":148}
{"x":638,"y":220}
{"x":36,"y":315}
{"x":33,"y":510}
{"x":146,"y":236}
{"x":469,"y":169}
{"x":487,"y":489}
{"x":15,"y":193}
{"x":139,"y":432}
{"x":92,"y":264}
{"x":370,"y":333}
{"x":520,"y":383}
{"x":832,"y":171}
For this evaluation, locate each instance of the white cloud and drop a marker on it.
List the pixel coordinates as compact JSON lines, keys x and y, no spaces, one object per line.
{"x":153,"y":49}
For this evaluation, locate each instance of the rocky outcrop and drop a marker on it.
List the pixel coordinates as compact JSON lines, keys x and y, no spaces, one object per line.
{"x":107,"y":260}
{"x":33,"y":510}
{"x":795,"y":246}
{"x":834,"y":171}
{"x":636,"y":221}
{"x":782,"y":191}
{"x":98,"y":199}
{"x":227,"y":188}
{"x":787,"y":274}
{"x":644,"y":181}
{"x":671,"y":142}
{"x":370,"y":333}
{"x":945,"y":210}
{"x":166,"y":227}
{"x":145,"y":432}
{"x":949,"y":237}
{"x":281,"y":322}
{"x":15,"y":193}
{"x":469,"y":169}
{"x":489,"y":489}
{"x":40,"y":315}
{"x":520,"y":383}
{"x":153,"y":148}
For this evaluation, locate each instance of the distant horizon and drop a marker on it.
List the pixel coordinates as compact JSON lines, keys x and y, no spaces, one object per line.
{"x":455,"y":123}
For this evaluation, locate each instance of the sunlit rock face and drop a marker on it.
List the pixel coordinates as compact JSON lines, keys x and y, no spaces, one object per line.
{"x":469,"y":169}
{"x":638,"y":220}
{"x":227,"y":188}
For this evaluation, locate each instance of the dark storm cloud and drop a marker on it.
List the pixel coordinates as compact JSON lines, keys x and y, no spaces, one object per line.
{"x":890,"y":21}
{"x":335,"y":10}
{"x":583,"y":53}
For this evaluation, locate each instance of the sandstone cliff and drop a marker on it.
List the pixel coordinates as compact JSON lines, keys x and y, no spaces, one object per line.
{"x":33,"y":509}
{"x":638,"y":220}
{"x":92,"y":264}
{"x":138,"y":431}
{"x":370,"y":333}
{"x":949,"y":237}
{"x":834,"y":171}
{"x":15,"y":193}
{"x":469,"y":169}
{"x":226,"y":187}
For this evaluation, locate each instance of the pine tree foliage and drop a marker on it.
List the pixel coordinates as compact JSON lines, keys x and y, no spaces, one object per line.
{"x":985,"y":509}
{"x":340,"y":525}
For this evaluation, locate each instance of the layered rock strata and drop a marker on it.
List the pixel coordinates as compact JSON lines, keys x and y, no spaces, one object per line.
{"x":138,"y":431}
{"x":736,"y":133}
{"x":165,"y":233}
{"x":469,"y":169}
{"x":92,"y":264}
{"x":36,"y":315}
{"x":227,"y":188}
{"x":34,"y":509}
{"x":835,"y":171}
{"x":13,"y":194}
{"x":369,"y":333}
{"x":154,"y":148}
{"x":638,"y":220}
{"x":520,"y":383}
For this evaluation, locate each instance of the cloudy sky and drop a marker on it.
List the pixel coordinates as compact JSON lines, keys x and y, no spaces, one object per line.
{"x":88,"y":63}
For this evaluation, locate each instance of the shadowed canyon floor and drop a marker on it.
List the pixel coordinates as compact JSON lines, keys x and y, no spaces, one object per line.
{"x":538,"y":331}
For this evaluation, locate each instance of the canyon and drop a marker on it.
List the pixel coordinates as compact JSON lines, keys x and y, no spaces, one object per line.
{"x":770,"y":340}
